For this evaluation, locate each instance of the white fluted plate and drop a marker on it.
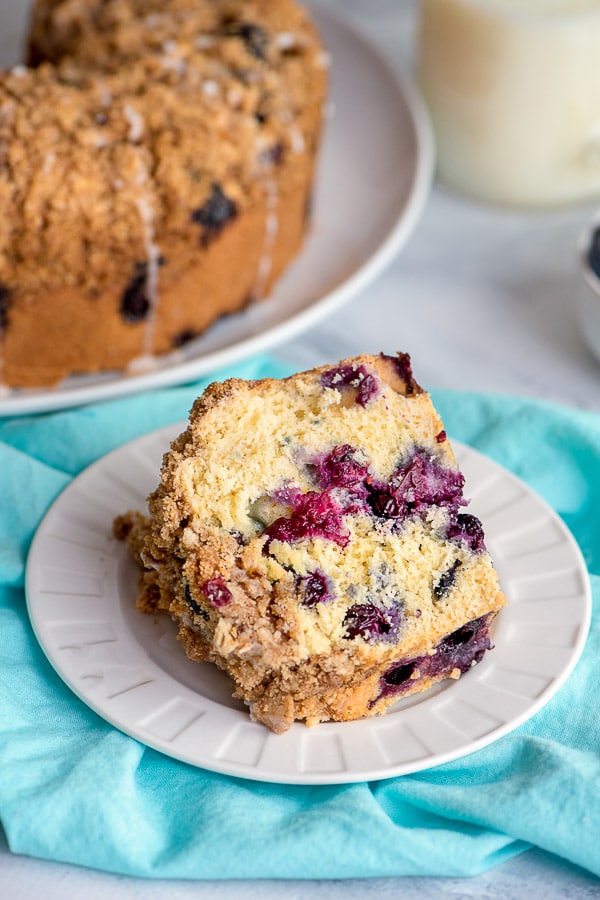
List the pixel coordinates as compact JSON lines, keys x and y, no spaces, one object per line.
{"x":373,"y":180}
{"x":128,"y":667}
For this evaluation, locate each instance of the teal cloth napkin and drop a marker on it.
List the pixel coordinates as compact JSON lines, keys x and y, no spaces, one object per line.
{"x":72,"y":788}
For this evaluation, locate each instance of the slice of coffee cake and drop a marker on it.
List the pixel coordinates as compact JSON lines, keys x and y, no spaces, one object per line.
{"x":309,"y":537}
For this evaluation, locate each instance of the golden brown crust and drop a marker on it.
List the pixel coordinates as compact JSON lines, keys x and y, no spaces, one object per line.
{"x":111,"y":155}
{"x":35,"y":352}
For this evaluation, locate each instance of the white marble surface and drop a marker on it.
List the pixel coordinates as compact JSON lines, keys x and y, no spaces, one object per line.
{"x":531,"y":876}
{"x":483,"y":299}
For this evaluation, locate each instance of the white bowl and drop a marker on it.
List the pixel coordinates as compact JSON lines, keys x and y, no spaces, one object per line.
{"x":588,"y":295}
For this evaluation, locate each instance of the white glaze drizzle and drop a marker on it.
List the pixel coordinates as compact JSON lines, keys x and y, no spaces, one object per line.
{"x":286,"y":40}
{"x":171,"y":58}
{"x":204,"y":42}
{"x":48,"y":164}
{"x":265,"y":264}
{"x":136,"y":124}
{"x":152,"y":252}
{"x":297,"y":141}
{"x":210,"y":88}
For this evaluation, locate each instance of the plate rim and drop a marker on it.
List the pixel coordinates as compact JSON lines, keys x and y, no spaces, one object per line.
{"x":17,"y":402}
{"x":347,"y":775}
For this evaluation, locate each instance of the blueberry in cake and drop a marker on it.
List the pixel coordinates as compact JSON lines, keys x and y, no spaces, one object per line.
{"x":156,"y":166}
{"x":309,"y":536}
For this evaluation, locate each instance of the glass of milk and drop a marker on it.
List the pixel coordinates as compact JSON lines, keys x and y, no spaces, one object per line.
{"x":513,"y":88}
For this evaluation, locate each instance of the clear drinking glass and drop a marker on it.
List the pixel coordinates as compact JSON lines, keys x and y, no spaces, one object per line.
{"x":513,"y":87}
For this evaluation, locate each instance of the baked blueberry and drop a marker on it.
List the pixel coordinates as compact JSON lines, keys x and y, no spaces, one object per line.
{"x":214,"y":214}
{"x":445,"y":582}
{"x":217,"y":591}
{"x":418,"y":483}
{"x":184,"y":337}
{"x":403,"y":367}
{"x":4,"y":306}
{"x":135,"y":303}
{"x":315,"y":589}
{"x":273,"y":156}
{"x":195,"y":607}
{"x":342,"y":467}
{"x":357,"y":378}
{"x":457,"y":652}
{"x":373,"y":623}
{"x":254,"y":37}
{"x":313,"y":515}
{"x":468,"y":529}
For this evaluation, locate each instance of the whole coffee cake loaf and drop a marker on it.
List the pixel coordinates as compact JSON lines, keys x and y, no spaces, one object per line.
{"x":156,"y":166}
{"x":309,"y":537}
